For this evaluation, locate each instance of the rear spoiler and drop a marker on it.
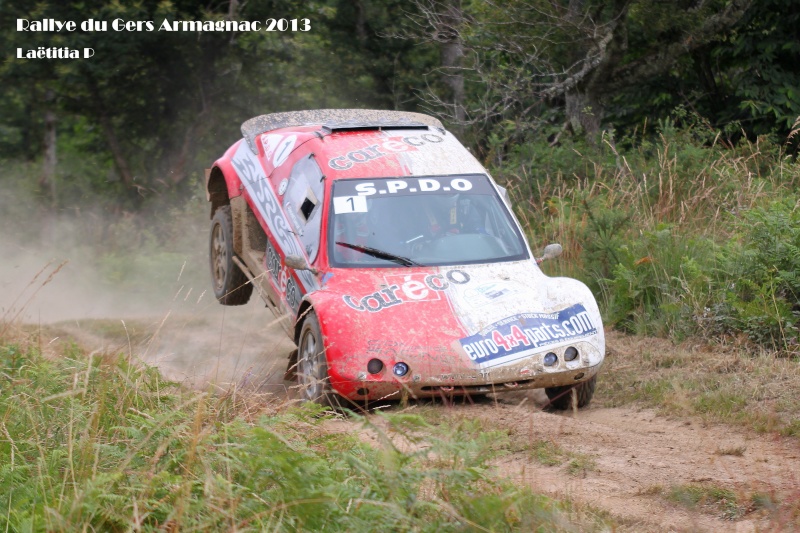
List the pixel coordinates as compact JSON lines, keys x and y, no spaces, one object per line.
{"x":336,"y":120}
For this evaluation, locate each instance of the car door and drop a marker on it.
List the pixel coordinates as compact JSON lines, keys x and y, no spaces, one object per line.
{"x":301,"y":200}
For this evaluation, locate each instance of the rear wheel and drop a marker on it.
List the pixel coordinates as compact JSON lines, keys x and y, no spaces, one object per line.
{"x":312,"y":365}
{"x":231,"y":286}
{"x":561,"y":397}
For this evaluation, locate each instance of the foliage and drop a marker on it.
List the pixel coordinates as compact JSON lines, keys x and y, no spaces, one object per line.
{"x":149,"y":109}
{"x":676,"y":237}
{"x":104,"y":444}
{"x":762,"y":295}
{"x":725,"y":383}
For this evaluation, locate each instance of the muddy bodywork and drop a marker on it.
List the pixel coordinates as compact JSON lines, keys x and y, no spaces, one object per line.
{"x":474,"y":327}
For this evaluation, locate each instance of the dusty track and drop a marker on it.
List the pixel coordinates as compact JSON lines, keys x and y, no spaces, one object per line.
{"x":636,"y":457}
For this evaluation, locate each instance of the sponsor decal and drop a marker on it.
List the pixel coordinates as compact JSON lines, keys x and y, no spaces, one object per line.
{"x":283,"y":149}
{"x":269,"y":143}
{"x":346,"y":189}
{"x":273,"y":262}
{"x":283,"y":278}
{"x":488,"y":293}
{"x":252,"y":175}
{"x":283,"y":186}
{"x":392,"y":145}
{"x":293,"y":294}
{"x":521,"y":335}
{"x":414,"y":288}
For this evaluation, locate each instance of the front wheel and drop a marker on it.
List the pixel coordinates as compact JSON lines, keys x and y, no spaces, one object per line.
{"x":312,"y":365}
{"x":561,"y":397}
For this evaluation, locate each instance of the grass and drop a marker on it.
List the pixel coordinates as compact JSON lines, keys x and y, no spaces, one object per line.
{"x":505,"y":439}
{"x":708,"y":498}
{"x":677,"y":237}
{"x":544,"y":452}
{"x":726,"y":503}
{"x":717,"y":383}
{"x":736,"y":451}
{"x":579,"y":464}
{"x":98,"y":443}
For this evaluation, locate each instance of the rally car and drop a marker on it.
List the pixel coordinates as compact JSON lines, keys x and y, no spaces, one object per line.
{"x":394,"y":261}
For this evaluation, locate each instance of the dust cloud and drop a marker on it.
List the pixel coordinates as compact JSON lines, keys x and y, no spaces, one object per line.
{"x":156,"y":304}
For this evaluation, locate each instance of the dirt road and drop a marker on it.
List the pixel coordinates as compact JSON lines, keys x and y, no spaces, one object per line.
{"x":647,"y":470}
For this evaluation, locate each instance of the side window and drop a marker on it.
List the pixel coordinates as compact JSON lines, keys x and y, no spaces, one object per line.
{"x":302,"y":203}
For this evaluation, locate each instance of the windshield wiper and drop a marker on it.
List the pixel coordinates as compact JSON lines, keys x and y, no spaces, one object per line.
{"x":380,"y":254}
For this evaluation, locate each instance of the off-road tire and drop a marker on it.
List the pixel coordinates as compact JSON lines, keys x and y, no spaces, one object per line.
{"x":561,"y":397}
{"x":312,"y":365}
{"x":231,"y":286}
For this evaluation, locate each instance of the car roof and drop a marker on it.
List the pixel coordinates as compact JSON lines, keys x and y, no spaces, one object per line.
{"x":356,"y":143}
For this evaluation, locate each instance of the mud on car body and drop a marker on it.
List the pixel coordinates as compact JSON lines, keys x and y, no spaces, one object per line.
{"x":394,"y":262}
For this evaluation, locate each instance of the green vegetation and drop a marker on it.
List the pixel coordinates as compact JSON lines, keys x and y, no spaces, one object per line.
{"x":96,"y":442}
{"x":712,"y":499}
{"x":657,"y":143}
{"x":676,"y":237}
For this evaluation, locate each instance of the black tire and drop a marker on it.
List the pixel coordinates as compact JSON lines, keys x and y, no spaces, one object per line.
{"x":312,"y":365}
{"x":561,"y":397}
{"x":231,"y":286}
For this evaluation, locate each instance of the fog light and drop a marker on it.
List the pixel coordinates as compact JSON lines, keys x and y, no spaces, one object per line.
{"x":570,"y":353}
{"x":550,"y":359}
{"x":400,"y":369}
{"x":375,"y":366}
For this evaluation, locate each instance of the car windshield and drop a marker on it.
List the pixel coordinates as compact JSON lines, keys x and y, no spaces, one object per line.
{"x":430,"y":221}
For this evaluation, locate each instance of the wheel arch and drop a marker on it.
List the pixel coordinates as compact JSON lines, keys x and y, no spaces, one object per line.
{"x":306,"y":307}
{"x":317,"y":301}
{"x":222,"y":183}
{"x":216,"y":189}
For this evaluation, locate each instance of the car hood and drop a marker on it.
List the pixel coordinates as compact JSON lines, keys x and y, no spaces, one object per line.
{"x":478,"y":316}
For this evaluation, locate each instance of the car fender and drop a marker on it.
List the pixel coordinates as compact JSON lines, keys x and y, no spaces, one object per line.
{"x":318,"y":301}
{"x":222,"y":181}
{"x":572,"y":291}
{"x":321,"y":302}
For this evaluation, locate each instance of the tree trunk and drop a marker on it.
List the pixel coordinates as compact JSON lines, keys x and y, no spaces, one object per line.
{"x":120,"y":162}
{"x":584,"y":113}
{"x":48,"y":179}
{"x":451,"y":51}
{"x":361,"y":22}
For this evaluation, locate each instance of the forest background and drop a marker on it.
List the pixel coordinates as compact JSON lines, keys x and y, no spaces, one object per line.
{"x":657,"y":141}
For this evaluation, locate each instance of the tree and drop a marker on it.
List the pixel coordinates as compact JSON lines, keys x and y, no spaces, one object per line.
{"x":152,"y":100}
{"x":529,"y":56}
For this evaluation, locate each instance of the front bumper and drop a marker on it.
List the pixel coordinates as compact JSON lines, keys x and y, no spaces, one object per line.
{"x":375,"y":391}
{"x":423,"y":381}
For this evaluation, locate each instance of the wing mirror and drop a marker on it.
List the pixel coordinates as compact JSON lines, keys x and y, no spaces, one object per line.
{"x":551,"y":251}
{"x":298,"y":263}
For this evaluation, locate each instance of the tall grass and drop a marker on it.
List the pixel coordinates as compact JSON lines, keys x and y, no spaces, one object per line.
{"x":664,"y":231}
{"x":99,"y":443}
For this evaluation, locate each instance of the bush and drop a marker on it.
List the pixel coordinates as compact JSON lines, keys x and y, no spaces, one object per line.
{"x":762,"y":292}
{"x":669,"y":230}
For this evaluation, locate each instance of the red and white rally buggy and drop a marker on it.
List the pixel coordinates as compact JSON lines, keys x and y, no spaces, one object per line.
{"x":396,"y":262}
